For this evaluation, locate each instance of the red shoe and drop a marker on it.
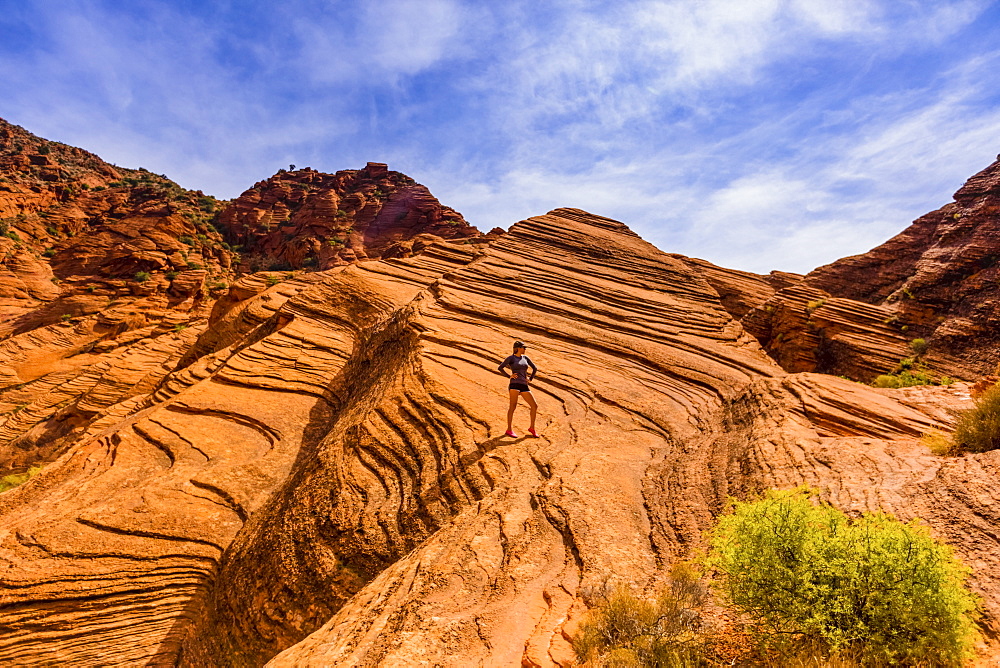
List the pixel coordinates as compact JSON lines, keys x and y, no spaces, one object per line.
{"x":510,"y":433}
{"x":532,"y":432}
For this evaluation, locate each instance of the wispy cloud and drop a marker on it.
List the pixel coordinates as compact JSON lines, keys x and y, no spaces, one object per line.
{"x":766,"y":134}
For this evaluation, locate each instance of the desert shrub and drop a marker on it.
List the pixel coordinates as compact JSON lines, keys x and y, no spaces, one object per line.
{"x":12,"y":480}
{"x":813,"y":305}
{"x":910,"y":372}
{"x":872,"y":588}
{"x":938,"y":442}
{"x":171,"y":275}
{"x":906,"y":378}
{"x":978,"y":429}
{"x":142,"y":276}
{"x":918,"y":346}
{"x":626,"y":630}
{"x":273,"y":280}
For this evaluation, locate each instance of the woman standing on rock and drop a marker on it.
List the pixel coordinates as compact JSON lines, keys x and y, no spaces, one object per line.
{"x":518,"y":364}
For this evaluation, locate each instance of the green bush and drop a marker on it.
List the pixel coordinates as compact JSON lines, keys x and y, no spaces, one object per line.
{"x":872,"y":588}
{"x":903,"y":379}
{"x":625,"y":630}
{"x":142,"y":276}
{"x":978,"y":429}
{"x":910,"y":372}
{"x":918,"y":346}
{"x":813,"y":305}
{"x":14,"y":479}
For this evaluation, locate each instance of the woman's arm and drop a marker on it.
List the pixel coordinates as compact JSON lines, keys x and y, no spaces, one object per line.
{"x":534,"y":369}
{"x":506,"y":362}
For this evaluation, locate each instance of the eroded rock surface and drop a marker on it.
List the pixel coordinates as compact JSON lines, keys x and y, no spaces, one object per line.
{"x":305,"y":218}
{"x":323,"y":480}
{"x":108,"y":274}
{"x":308,"y":467}
{"x":936,"y":280}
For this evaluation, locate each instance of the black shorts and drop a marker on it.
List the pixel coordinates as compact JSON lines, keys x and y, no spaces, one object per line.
{"x":521,"y":387}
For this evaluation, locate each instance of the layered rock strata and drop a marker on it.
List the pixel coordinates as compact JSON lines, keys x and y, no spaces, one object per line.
{"x":108,"y":274}
{"x":939,"y":280}
{"x":324,"y":480}
{"x":304,"y":218}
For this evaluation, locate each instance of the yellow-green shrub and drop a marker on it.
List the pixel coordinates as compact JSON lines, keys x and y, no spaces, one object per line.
{"x":14,"y":479}
{"x":873,"y":588}
{"x":626,"y":630}
{"x":978,"y":429}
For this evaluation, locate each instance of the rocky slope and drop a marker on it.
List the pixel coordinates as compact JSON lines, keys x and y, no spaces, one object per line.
{"x":938,"y":280}
{"x":108,"y":275}
{"x":325,"y":481}
{"x":305,"y":218}
{"x":101,"y":270}
{"x":308,"y":467}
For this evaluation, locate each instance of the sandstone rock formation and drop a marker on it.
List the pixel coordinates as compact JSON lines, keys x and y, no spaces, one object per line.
{"x":108,"y":274}
{"x":305,"y":218}
{"x":101,"y":268}
{"x":936,"y":280}
{"x":325,"y":482}
{"x":308,"y":467}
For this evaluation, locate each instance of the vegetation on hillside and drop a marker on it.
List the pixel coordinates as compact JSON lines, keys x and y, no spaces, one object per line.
{"x":911,"y":372}
{"x":814,"y":587}
{"x":627,"y":630}
{"x":978,"y":429}
{"x":872,"y":589}
{"x":12,"y":480}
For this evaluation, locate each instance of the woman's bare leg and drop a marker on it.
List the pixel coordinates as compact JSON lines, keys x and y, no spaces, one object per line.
{"x":532,"y":405}
{"x":510,"y":411}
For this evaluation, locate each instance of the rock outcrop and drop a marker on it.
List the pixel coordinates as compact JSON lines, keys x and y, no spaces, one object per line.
{"x":101,"y":270}
{"x":307,"y":467}
{"x":108,"y":274}
{"x":938,"y":280}
{"x":305,"y":218}
{"x":324,"y":480}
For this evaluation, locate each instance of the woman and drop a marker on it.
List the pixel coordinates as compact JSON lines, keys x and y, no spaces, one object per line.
{"x":518,"y":364}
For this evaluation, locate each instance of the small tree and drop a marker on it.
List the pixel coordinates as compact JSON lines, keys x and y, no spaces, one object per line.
{"x":873,"y":588}
{"x":978,"y":429}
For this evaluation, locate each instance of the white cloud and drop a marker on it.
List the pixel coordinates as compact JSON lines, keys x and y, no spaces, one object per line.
{"x":674,"y":116}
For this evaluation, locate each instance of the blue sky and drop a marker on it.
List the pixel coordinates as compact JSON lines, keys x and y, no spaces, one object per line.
{"x":757,"y":134}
